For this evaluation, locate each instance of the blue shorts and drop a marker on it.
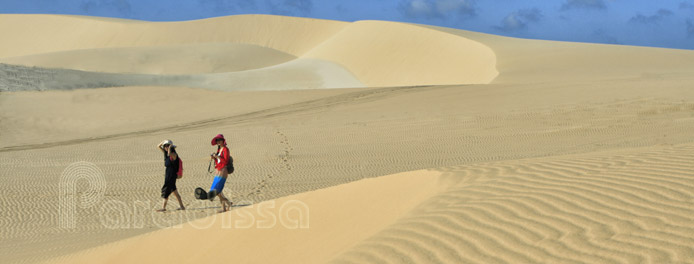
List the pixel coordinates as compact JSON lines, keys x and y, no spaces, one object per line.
{"x":218,"y":184}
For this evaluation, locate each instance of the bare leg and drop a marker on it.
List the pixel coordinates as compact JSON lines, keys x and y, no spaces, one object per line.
{"x":227,"y":201}
{"x":163,"y":208}
{"x":221,"y":200}
{"x":226,"y":204}
{"x":179,"y":200}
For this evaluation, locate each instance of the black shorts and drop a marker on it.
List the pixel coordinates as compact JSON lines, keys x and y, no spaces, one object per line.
{"x":169,"y":186}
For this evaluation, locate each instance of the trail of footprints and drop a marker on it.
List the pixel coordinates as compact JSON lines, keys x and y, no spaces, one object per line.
{"x":507,"y":212}
{"x":287,"y":148}
{"x":258,"y":190}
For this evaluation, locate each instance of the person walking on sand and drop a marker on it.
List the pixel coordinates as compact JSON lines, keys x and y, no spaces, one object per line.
{"x":220,"y":158}
{"x":171,"y":161}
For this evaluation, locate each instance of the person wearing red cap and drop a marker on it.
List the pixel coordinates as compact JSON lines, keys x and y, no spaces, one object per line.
{"x":220,"y":158}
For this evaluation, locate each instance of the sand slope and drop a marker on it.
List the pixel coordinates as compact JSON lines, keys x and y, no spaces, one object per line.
{"x":532,"y":61}
{"x":574,"y":153}
{"x":292,"y":228}
{"x":624,"y":207}
{"x":176,"y":59}
{"x":335,"y":54}
{"x":292,"y":142}
{"x":51,"y":33}
{"x":604,"y":208}
{"x":410,"y":54}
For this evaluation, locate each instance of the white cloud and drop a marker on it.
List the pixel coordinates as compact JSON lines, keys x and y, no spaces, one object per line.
{"x":519,"y":20}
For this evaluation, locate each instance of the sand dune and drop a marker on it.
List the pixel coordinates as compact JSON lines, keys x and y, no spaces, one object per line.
{"x":52,"y":33}
{"x":292,"y":235}
{"x":300,"y":74}
{"x":410,"y":53}
{"x":603,"y":208}
{"x":539,"y":152}
{"x":632,"y":207}
{"x":524,"y":60}
{"x":296,"y":141}
{"x":101,"y":112}
{"x":178,"y":59}
{"x":359,"y":54}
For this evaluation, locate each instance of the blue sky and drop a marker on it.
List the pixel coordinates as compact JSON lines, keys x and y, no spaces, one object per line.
{"x":665,"y":23}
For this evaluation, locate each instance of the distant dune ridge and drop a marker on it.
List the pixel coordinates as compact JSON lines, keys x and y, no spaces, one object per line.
{"x":364,"y":53}
{"x":445,"y":146}
{"x":188,"y":59}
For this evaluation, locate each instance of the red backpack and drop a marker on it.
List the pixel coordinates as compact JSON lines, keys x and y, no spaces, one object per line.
{"x":179,"y":174}
{"x":180,"y":168}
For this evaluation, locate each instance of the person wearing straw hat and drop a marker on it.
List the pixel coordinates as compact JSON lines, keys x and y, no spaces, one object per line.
{"x":171,"y":161}
{"x":220,"y":158}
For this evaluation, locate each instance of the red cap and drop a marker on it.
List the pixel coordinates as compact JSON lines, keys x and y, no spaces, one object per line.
{"x":219,"y":136}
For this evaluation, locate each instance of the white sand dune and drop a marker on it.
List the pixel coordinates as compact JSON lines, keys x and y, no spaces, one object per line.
{"x":600,"y":208}
{"x":411,"y":54}
{"x":52,"y":33}
{"x":293,"y":228}
{"x":177,"y":59}
{"x":365,"y":53}
{"x":623,"y":207}
{"x":532,"y":61}
{"x":539,"y":151}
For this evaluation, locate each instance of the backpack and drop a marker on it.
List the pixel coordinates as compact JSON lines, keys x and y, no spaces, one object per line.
{"x":180,"y":169}
{"x":230,"y":165}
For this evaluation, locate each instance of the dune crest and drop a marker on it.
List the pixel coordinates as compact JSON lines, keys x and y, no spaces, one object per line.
{"x":299,"y":233}
{"x":372,"y":53}
{"x":628,"y":207}
{"x":51,"y":33}
{"x":537,"y":61}
{"x":383,"y":53}
{"x":612,"y":207}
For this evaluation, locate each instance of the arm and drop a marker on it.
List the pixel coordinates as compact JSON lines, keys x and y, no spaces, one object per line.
{"x":215,"y":157}
{"x":161,"y":147}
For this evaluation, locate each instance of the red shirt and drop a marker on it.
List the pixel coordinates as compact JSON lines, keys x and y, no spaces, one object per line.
{"x":222,"y":158}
